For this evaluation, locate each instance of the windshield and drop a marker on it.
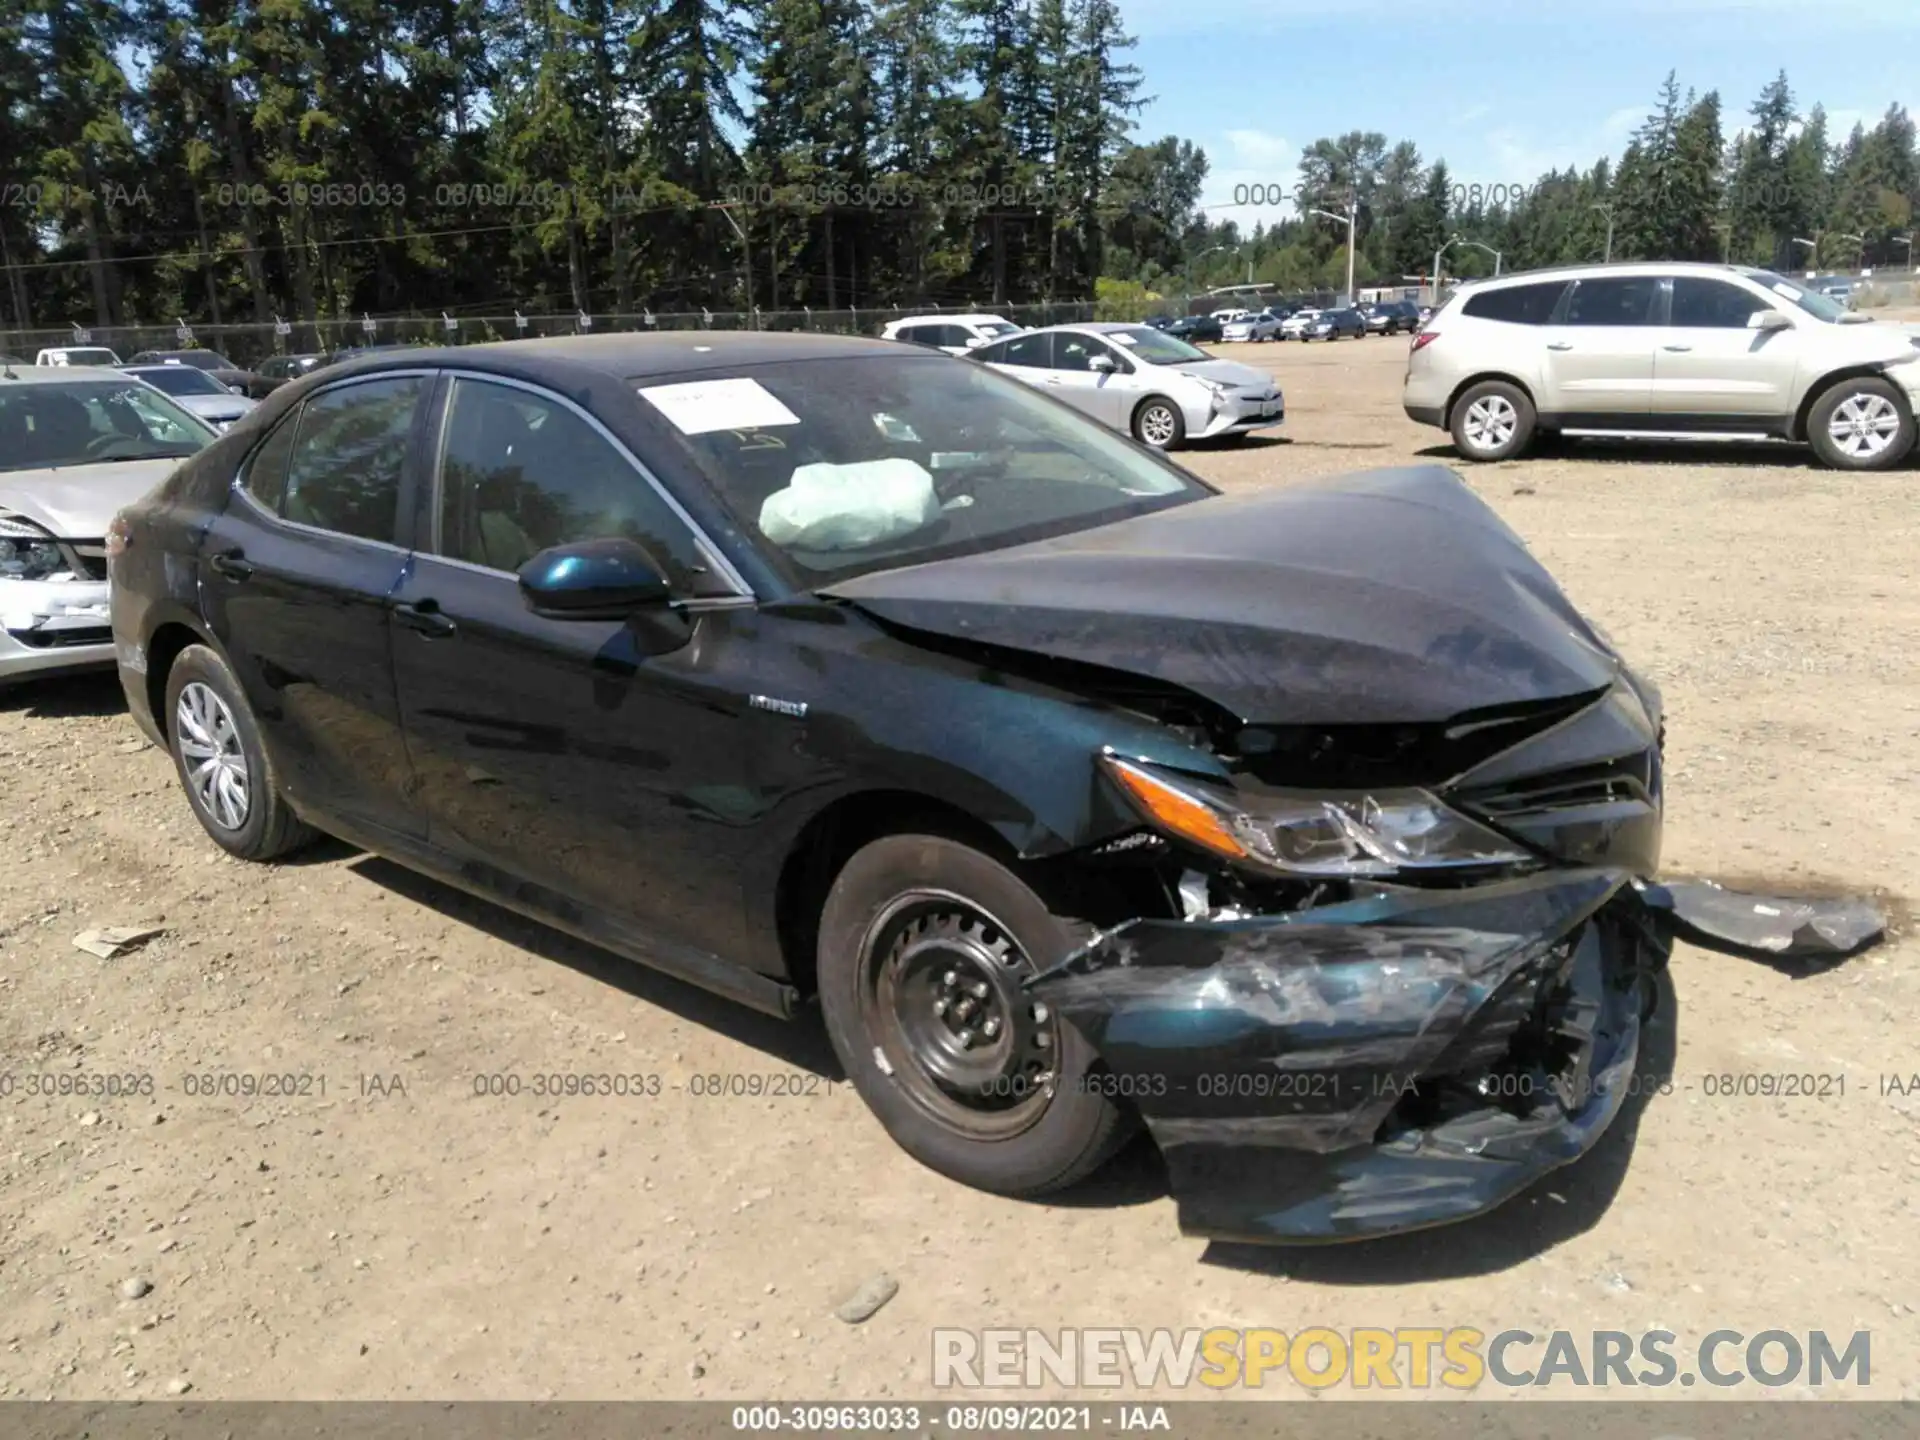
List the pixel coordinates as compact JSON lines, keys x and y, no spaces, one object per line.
{"x":1156,"y":347}
{"x":841,"y":467}
{"x":1821,"y":307}
{"x":89,"y":357}
{"x":88,"y":423}
{"x":181,"y":380}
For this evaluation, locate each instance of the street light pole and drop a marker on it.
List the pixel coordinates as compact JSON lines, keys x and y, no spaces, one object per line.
{"x":1210,"y":250}
{"x":1349,"y":219}
{"x":1438,"y":255}
{"x":1606,"y":210}
{"x":1490,"y":250}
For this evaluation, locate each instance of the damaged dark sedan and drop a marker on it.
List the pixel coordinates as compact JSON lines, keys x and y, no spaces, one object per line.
{"x":1310,"y":827}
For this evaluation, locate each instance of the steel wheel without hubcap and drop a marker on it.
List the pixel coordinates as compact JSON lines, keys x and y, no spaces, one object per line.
{"x":1863,"y":426}
{"x":942,"y":996}
{"x":1158,"y":425}
{"x":1491,"y":421}
{"x":215,"y":763}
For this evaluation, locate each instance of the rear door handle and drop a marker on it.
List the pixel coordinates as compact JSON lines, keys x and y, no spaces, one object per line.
{"x":231,"y":563}
{"x":425,"y":617}
{"x":1676,"y":348}
{"x":1560,"y":345}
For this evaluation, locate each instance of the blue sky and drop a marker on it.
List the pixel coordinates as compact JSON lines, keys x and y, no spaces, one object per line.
{"x":1502,"y":89}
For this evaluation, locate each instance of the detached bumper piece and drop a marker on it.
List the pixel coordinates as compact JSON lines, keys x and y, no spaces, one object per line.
{"x":1764,"y":926}
{"x":1388,"y":1064}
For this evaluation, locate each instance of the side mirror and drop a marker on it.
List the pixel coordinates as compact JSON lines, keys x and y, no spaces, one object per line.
{"x":592,"y":580}
{"x":1104,"y":364}
{"x":1768,"y":320}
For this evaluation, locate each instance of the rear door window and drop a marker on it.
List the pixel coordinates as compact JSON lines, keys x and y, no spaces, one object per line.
{"x":349,"y":457}
{"x":1614,"y":301}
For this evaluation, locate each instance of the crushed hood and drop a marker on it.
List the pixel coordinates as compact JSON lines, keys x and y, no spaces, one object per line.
{"x":1391,"y":596}
{"x":77,"y":502}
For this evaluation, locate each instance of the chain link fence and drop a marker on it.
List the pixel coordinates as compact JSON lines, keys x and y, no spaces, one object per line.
{"x":249,"y":344}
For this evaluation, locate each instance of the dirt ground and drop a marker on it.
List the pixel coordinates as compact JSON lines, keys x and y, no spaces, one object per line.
{"x":400,"y":1236}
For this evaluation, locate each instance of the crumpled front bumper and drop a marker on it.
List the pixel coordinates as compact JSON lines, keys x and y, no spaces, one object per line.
{"x":48,"y":625}
{"x":1382,"y":1065}
{"x":1408,"y":1059}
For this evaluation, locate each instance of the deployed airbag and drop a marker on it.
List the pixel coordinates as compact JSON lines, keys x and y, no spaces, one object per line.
{"x":844,"y":507}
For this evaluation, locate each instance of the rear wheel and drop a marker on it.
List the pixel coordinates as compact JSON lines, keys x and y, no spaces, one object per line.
{"x":924,"y":944}
{"x":1492,"y":421}
{"x":1159,"y":423}
{"x":223,"y":765}
{"x":1861,"y":424}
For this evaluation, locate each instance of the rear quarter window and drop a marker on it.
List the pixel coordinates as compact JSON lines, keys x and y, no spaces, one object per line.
{"x":1516,"y":304}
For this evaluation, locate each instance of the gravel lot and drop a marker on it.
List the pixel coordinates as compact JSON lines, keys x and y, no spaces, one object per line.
{"x":400,"y":1236}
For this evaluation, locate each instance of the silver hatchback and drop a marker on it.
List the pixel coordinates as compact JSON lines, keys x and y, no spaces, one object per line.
{"x":1145,"y":382}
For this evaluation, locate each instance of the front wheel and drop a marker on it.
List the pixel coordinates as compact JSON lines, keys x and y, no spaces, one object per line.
{"x":1160,"y":424}
{"x":1861,"y":424}
{"x":924,"y":944}
{"x":1492,"y":421}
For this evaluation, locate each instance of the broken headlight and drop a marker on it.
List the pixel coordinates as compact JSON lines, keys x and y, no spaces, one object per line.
{"x":27,"y":552}
{"x":1316,"y":833}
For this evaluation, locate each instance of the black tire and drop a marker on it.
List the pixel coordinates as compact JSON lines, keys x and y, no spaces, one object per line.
{"x":268,"y":828}
{"x":905,"y":909}
{"x":1866,"y":400}
{"x":1173,"y":434}
{"x":1492,"y":421}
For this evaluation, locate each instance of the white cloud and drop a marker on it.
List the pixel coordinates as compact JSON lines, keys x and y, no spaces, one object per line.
{"x":1623,"y":122}
{"x":1256,"y":182}
{"x":1471,"y":114}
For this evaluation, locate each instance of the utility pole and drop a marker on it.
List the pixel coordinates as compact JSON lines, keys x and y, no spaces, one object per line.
{"x":1606,"y":210}
{"x":1438,"y":256}
{"x":1350,"y":218}
{"x":746,"y":248}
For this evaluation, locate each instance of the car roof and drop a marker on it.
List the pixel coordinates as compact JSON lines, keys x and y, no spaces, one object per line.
{"x":60,"y":374}
{"x":1618,"y":267}
{"x":949,"y":319}
{"x":625,"y":355}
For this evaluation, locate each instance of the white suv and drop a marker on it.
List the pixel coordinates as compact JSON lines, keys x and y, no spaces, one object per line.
{"x":955,"y":334}
{"x":1664,"y":350}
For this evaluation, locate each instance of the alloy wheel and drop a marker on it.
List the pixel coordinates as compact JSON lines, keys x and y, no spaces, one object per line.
{"x":943,"y":998}
{"x":1157,"y":425}
{"x":212,"y":755}
{"x":1490,"y":423}
{"x":1863,"y":426}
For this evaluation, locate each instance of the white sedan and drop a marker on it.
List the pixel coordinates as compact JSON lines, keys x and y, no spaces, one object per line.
{"x":1260,"y":325}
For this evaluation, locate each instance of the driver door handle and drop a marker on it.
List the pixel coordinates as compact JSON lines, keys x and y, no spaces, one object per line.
{"x":1676,"y":348}
{"x":1560,"y":345}
{"x":425,"y":617}
{"x":231,"y":563}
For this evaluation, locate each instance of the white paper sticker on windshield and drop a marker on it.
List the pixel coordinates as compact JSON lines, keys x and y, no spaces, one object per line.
{"x":1120,"y":337}
{"x":1782,"y":288}
{"x":700,"y":407}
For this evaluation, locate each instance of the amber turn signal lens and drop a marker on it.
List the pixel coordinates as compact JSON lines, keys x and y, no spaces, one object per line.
{"x":1176,"y":812}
